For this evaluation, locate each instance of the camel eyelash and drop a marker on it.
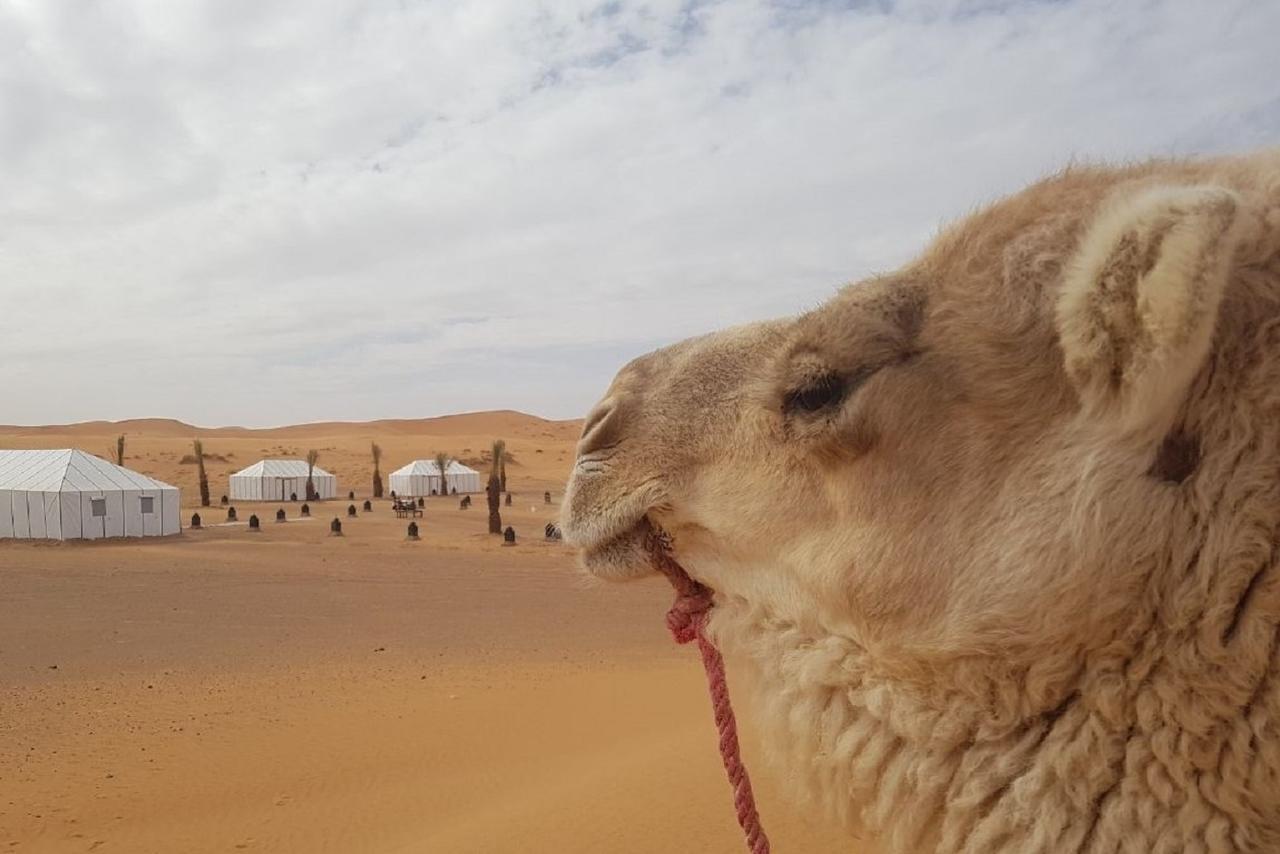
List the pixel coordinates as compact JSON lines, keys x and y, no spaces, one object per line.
{"x":826,"y":391}
{"x":823,"y":392}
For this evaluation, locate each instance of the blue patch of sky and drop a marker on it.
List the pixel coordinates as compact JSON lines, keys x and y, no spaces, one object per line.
{"x":687,"y":28}
{"x":605,"y":10}
{"x":627,"y":44}
{"x":548,"y":78}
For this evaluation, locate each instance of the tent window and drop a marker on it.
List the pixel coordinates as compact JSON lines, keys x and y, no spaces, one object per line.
{"x":98,"y":506}
{"x":148,"y":505}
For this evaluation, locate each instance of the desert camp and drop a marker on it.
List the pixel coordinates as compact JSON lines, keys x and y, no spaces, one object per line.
{"x":68,"y":495}
{"x":281,"y":480}
{"x":422,"y":477}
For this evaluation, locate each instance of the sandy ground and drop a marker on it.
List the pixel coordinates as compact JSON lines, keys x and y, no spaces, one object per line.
{"x":288,"y":691}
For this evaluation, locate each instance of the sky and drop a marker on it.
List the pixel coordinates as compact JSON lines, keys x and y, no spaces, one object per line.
{"x":261,"y":212}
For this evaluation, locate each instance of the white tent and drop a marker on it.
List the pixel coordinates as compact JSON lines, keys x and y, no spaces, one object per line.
{"x":278,"y":480}
{"x":422,"y":477}
{"x":68,"y":494}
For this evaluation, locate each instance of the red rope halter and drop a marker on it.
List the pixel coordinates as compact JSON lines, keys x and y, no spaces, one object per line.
{"x":687,"y":621}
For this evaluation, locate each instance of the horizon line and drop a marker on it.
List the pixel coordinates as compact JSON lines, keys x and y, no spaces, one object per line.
{"x":355,"y":422}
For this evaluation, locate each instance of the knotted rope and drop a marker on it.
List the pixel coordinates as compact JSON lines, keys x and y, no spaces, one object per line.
{"x":687,"y":622}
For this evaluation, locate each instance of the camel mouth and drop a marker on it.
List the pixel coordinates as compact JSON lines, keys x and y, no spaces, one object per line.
{"x":605,"y":519}
{"x":612,"y":545}
{"x":619,"y":557}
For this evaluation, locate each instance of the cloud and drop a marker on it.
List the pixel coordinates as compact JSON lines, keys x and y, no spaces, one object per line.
{"x":267,"y":212}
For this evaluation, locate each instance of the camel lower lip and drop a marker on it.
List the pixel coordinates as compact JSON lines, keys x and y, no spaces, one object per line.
{"x":610,"y":545}
{"x":619,"y":557}
{"x":590,"y":537}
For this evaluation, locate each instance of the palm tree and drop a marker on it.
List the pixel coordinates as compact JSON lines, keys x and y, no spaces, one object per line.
{"x":198,"y":447}
{"x":442,"y":463}
{"x":377,"y":474}
{"x":312,"y":456}
{"x":120,"y":450}
{"x":494,"y":488}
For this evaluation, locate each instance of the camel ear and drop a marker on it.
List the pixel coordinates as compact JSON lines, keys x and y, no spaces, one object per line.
{"x":1140,"y":300}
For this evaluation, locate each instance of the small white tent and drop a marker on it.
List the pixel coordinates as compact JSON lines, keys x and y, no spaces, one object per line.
{"x":422,"y":477}
{"x":68,"y":494}
{"x":279,"y":480}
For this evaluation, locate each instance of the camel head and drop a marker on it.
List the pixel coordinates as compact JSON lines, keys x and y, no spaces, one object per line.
{"x":984,"y":486}
{"x":913,"y":461}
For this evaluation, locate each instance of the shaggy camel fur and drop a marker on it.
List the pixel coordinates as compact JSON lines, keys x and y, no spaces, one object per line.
{"x":997,"y":533}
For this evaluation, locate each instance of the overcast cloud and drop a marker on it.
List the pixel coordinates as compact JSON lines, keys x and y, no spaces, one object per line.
{"x":262,"y":212}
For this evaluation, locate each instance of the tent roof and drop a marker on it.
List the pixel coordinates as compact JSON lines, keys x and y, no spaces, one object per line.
{"x":429,"y":467}
{"x":68,"y":470}
{"x":280,"y":468}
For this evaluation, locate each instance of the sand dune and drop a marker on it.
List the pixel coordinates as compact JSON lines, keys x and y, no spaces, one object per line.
{"x":291,"y":692}
{"x":498,"y":423}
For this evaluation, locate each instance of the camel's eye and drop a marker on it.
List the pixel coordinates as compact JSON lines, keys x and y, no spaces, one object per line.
{"x":822,"y":392}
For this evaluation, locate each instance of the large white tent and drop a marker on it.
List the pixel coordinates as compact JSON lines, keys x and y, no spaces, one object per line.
{"x":68,"y":494}
{"x":278,"y":480}
{"x":422,"y":477}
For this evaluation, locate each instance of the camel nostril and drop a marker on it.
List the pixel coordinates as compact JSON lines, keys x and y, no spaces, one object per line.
{"x":600,"y":430}
{"x":596,"y":415}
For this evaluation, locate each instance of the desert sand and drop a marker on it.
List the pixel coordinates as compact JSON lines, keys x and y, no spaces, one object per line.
{"x":287,"y":691}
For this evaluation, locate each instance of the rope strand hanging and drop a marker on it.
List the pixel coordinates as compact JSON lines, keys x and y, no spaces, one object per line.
{"x":687,"y":622}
